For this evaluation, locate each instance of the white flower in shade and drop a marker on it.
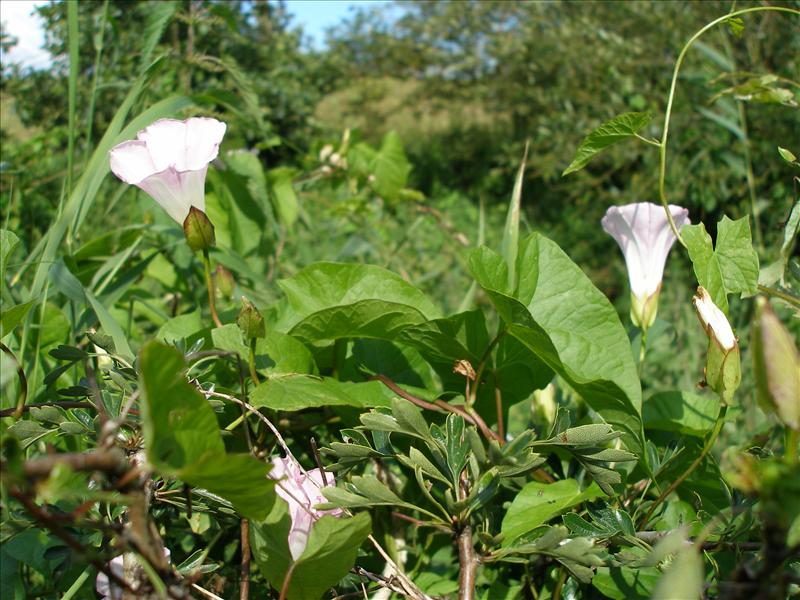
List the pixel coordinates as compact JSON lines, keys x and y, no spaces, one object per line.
{"x":723,"y":369}
{"x":301,"y":490}
{"x":713,"y":319}
{"x":643,"y":232}
{"x":169,"y":160}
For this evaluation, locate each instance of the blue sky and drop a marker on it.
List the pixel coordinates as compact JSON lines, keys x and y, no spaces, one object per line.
{"x":315,"y":16}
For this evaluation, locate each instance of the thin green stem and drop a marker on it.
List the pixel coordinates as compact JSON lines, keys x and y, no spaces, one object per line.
{"x":779,"y":294}
{"x":642,"y":352}
{"x":655,"y":143}
{"x":251,"y":361}
{"x":723,"y":409}
{"x":211,"y":290}
{"x":662,"y":172}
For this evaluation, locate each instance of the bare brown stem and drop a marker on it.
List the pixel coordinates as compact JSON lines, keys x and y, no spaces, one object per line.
{"x":244,"y":576}
{"x":108,"y":461}
{"x":286,"y":580}
{"x":468,"y":564}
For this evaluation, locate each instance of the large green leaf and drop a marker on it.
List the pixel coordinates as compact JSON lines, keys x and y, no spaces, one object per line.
{"x":570,"y":326}
{"x":683,"y":412}
{"x":296,"y":392}
{"x":183,"y":440}
{"x":276,"y":353}
{"x":536,"y":503}
{"x":519,"y":370}
{"x":731,"y":266}
{"x":328,"y":301}
{"x":617,"y":129}
{"x":178,"y":423}
{"x":329,"y":554}
{"x":462,"y":336}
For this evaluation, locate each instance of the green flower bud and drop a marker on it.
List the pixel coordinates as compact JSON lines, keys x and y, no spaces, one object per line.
{"x":225,"y":282}
{"x":644,"y":309}
{"x":250,"y":321}
{"x":776,"y":363}
{"x":198,"y":230}
{"x":723,"y":364}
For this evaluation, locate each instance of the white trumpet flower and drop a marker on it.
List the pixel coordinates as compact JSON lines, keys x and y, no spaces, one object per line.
{"x":169,"y":160}
{"x":643,"y":233}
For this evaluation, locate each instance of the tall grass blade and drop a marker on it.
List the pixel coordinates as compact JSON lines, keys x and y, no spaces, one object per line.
{"x":74,"y":69}
{"x":510,"y":245}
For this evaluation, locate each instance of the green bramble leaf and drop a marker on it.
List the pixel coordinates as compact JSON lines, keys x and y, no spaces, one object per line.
{"x":617,"y":129}
{"x":729,"y":267}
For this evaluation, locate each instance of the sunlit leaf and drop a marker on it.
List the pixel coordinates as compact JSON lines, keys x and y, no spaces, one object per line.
{"x":617,"y":129}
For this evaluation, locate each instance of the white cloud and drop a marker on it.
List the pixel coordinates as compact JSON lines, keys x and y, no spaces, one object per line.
{"x":20,"y":21}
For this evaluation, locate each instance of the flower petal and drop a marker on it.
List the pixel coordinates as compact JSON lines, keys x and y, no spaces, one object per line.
{"x":131,"y":162}
{"x":185,"y":145}
{"x":166,"y":142}
{"x":177,"y":191}
{"x":645,"y":237}
{"x":203,"y":137}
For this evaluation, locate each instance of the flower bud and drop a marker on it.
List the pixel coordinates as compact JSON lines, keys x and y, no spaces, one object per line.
{"x":776,"y":364}
{"x":723,"y":365}
{"x":198,"y":230}
{"x":250,"y":321}
{"x":225,"y":282}
{"x":644,"y":309}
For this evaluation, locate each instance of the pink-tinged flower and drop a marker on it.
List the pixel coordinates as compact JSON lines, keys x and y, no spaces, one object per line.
{"x":169,"y":160}
{"x":302,"y":492}
{"x":643,"y":232}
